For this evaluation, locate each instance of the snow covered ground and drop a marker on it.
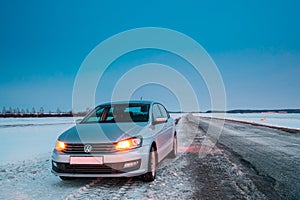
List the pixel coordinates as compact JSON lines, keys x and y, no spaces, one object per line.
{"x":26,"y":138}
{"x":25,"y":168}
{"x":276,"y":119}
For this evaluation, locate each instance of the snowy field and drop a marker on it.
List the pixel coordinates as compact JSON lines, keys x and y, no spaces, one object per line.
{"x":279,"y":120}
{"x":26,"y":138}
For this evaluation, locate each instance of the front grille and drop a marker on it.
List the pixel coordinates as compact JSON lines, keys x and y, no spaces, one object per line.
{"x":112,"y":168}
{"x":96,"y":148}
{"x":86,"y":169}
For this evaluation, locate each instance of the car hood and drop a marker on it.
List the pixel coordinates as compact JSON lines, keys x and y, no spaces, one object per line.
{"x":102,"y":133}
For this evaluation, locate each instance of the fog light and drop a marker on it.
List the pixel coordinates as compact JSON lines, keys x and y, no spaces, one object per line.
{"x":54,"y":164}
{"x":131,"y":164}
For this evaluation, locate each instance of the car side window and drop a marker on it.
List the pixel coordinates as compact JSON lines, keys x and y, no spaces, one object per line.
{"x":96,"y":115}
{"x":164,"y":113}
{"x":156,"y":112}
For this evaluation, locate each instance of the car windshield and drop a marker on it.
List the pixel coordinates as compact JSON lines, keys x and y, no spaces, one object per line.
{"x":118,"y":113}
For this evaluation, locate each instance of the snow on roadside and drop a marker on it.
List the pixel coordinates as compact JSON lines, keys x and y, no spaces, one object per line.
{"x":32,"y":179}
{"x":271,"y":119}
{"x":19,"y":142}
{"x":7,"y":122}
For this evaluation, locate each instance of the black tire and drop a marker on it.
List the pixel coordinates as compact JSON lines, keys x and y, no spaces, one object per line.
{"x":152,"y":166}
{"x":66,"y":178}
{"x":173,"y":153}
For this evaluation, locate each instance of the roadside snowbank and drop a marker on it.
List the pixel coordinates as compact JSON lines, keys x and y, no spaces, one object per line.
{"x":279,"y":120}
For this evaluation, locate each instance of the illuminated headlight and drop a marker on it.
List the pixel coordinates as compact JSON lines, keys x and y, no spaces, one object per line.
{"x":60,"y":146}
{"x":128,"y":144}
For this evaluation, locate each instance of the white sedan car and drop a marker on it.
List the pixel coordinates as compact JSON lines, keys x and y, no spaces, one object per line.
{"x":120,"y":139}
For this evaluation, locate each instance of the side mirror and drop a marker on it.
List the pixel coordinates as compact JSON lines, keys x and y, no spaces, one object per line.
{"x":160,"y":120}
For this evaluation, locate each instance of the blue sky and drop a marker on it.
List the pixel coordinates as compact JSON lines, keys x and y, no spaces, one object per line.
{"x":255,"y":44}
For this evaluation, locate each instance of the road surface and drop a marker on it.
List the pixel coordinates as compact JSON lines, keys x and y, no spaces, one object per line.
{"x":271,"y":156}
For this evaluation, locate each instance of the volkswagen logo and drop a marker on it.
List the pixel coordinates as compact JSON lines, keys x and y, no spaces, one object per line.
{"x":87,"y":148}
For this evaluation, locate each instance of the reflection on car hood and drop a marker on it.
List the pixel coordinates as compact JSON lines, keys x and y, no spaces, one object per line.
{"x":101,"y":133}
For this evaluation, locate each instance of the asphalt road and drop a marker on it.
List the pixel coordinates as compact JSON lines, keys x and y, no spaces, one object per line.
{"x":270,"y":157}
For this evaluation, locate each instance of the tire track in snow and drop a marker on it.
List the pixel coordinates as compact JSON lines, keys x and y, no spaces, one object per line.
{"x":82,"y":189}
{"x":102,"y":188}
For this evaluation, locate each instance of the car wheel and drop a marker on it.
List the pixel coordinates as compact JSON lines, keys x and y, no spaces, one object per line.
{"x":152,"y":166}
{"x":173,"y":153}
{"x":65,"y":178}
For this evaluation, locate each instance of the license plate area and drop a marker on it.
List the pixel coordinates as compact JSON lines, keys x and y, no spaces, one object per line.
{"x":95,"y":160}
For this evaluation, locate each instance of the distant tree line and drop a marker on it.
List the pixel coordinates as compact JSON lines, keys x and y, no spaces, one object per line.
{"x":17,"y":112}
{"x":264,"y":111}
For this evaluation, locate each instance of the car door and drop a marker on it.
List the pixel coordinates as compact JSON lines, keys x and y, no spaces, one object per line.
{"x":161,"y":132}
{"x":168,"y":128}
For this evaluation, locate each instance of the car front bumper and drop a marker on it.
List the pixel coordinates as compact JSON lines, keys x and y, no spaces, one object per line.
{"x":120,"y":164}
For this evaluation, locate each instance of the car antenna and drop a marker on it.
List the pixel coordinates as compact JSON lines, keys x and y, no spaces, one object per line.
{"x":141,"y":98}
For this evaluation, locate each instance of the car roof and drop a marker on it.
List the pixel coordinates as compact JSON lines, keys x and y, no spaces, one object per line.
{"x":128,"y":102}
